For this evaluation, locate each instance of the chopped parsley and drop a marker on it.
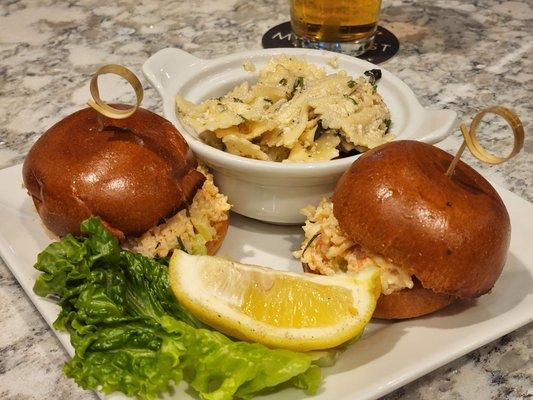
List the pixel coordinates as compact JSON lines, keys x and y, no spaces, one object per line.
{"x":237,"y":100}
{"x":388,"y":124}
{"x":283,"y":81}
{"x":298,"y":83}
{"x":350,"y":98}
{"x":351,"y":83}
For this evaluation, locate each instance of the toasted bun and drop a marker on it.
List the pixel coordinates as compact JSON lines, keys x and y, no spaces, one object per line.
{"x":221,"y":229}
{"x":132,"y":172}
{"x":452,"y":233}
{"x":410,"y":303}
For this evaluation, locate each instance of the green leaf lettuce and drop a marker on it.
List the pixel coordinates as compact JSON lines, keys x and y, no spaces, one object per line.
{"x":131,"y":335}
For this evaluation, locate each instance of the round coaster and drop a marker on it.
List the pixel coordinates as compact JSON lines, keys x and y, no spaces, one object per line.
{"x":385,"y":45}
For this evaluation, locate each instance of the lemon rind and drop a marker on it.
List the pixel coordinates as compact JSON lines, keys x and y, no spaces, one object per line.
{"x":365,"y":286}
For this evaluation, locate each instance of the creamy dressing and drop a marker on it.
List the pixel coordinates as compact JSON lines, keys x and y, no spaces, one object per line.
{"x":327,"y":251}
{"x":190,"y":229}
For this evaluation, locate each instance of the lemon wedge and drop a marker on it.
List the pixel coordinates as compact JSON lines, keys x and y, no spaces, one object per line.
{"x":279,"y":309}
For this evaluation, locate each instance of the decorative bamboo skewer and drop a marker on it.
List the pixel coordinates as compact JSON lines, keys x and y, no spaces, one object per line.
{"x":471,"y":141}
{"x":105,"y":109}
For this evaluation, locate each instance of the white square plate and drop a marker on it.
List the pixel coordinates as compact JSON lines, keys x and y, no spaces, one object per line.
{"x":389,"y":354}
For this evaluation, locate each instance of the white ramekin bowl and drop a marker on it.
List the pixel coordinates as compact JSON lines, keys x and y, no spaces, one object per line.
{"x":266,"y":190}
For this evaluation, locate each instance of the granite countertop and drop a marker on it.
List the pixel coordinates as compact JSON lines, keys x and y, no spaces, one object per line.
{"x":454,"y":54}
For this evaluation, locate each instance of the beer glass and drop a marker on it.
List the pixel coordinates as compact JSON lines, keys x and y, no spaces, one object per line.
{"x":337,"y":25}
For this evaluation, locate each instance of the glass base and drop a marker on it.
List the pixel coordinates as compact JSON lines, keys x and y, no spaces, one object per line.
{"x":355,"y":48}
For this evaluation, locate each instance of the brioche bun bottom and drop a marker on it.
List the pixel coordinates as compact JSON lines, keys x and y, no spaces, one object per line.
{"x":411,"y":303}
{"x":221,"y":228}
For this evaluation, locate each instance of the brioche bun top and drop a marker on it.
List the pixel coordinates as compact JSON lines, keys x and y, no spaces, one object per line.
{"x":452,"y":233}
{"x":131,"y":172}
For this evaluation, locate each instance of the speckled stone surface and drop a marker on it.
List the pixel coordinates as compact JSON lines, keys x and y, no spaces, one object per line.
{"x":455,"y":54}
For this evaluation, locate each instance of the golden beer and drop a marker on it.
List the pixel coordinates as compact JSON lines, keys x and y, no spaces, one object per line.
{"x":333,"y":21}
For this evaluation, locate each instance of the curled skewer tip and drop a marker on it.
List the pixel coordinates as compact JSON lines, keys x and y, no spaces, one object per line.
{"x":105,"y":109}
{"x":471,"y":141}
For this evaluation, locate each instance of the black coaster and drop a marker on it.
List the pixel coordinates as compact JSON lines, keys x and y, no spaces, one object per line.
{"x":385,"y":45}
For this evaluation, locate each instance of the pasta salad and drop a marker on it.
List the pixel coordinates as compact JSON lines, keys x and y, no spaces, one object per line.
{"x":295,"y":112}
